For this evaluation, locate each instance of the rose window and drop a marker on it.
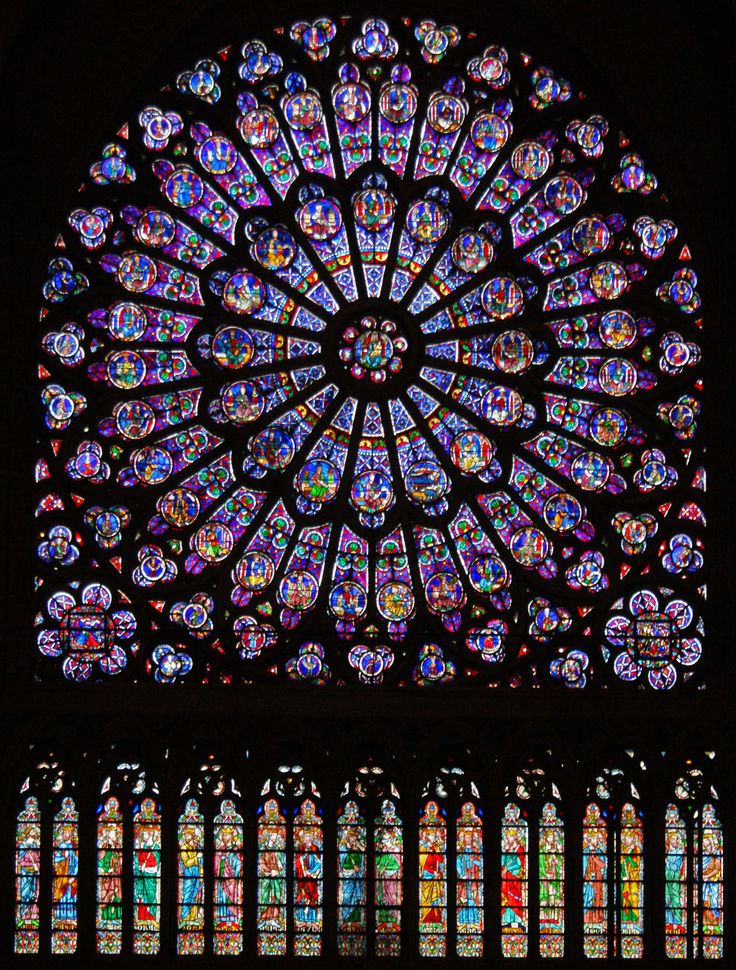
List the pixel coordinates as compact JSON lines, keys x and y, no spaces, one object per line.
{"x":366,"y":360}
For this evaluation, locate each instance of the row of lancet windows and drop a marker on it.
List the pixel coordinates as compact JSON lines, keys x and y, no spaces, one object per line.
{"x":284,"y":857}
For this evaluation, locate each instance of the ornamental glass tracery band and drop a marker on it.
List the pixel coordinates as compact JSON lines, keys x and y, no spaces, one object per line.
{"x":370,"y":353}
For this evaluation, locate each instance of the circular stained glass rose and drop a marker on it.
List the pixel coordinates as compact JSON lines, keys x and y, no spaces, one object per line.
{"x":369,"y":353}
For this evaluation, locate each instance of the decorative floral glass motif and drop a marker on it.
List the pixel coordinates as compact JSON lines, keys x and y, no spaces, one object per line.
{"x":363,"y":341}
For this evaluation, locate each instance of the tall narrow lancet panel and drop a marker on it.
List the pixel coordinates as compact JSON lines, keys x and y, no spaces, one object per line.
{"x":514,"y":882}
{"x":432,"y":881}
{"x":65,"y":879}
{"x":631,"y":868}
{"x":352,"y":881}
{"x":28,"y":877}
{"x":469,"y":886}
{"x":146,"y":877}
{"x":369,"y":352}
{"x":190,"y":891}
{"x":595,"y":882}
{"x":109,"y":877}
{"x":677,"y":862}
{"x":308,"y":879}
{"x":272,"y":904}
{"x":228,"y":880}
{"x":388,"y":873}
{"x":551,"y":882}
{"x":711,"y":891}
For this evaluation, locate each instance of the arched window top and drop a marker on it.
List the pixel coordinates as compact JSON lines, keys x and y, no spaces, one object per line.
{"x":369,"y":353}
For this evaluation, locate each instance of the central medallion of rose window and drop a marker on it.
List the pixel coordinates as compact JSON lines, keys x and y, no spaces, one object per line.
{"x":372,"y":349}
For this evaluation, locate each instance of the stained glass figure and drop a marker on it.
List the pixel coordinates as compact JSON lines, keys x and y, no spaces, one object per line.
{"x":352,"y":882}
{"x":631,"y":868}
{"x":551,"y":883}
{"x":432,"y":882}
{"x":272,"y":908}
{"x":388,"y":840}
{"x":109,"y":877}
{"x":146,"y":878}
{"x":228,"y":881}
{"x":711,"y":891}
{"x":190,"y":898}
{"x":469,"y":886}
{"x":308,"y":866}
{"x":676,"y":854}
{"x":364,"y":267}
{"x":65,"y":880}
{"x":514,"y":882}
{"x":595,"y":882}
{"x":27,"y":877}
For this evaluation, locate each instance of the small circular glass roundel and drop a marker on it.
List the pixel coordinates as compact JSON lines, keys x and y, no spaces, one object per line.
{"x":373,"y":349}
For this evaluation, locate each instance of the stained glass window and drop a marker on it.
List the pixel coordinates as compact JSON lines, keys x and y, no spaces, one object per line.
{"x":388,"y":878}
{"x":450,"y":884}
{"x":693,"y":866}
{"x":27,"y":877}
{"x":228,"y":881}
{"x":146,"y":877}
{"x":613,"y":872}
{"x":537,"y":910}
{"x":352,"y":882}
{"x":469,"y":889}
{"x":432,"y":881}
{"x":308,"y":867}
{"x":551,"y":883}
{"x":290,"y":866}
{"x":272,"y":908}
{"x":109,"y":877}
{"x":371,"y":352}
{"x":514,"y":882}
{"x":631,"y":868}
{"x":711,"y":888}
{"x":676,"y":884}
{"x":65,"y":881}
{"x":595,"y":882}
{"x":370,"y":868}
{"x":190,"y":902}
